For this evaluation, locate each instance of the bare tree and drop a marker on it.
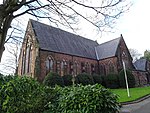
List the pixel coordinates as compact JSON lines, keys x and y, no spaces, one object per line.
{"x":135,"y":54}
{"x":13,"y":43}
{"x":11,"y":63}
{"x":147,"y":54}
{"x":100,"y":13}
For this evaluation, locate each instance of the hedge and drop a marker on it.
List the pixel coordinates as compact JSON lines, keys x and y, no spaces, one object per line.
{"x":97,"y":78}
{"x":26,"y":95}
{"x":85,"y":99}
{"x":67,"y":80}
{"x":84,"y":79}
{"x":23,"y":95}
{"x":130,"y":78}
{"x":112,"y":81}
{"x":53,"y":79}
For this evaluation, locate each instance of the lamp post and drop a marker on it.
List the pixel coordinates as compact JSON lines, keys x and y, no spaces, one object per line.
{"x":125,"y":74}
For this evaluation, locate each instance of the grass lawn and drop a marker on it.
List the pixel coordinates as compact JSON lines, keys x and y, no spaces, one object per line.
{"x":134,"y":92}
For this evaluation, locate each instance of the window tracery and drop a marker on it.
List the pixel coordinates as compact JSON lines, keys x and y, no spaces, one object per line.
{"x":27,"y":56}
{"x":49,"y":64}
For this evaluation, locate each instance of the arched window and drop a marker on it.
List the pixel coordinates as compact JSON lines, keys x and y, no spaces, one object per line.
{"x":125,"y":59}
{"x":87,"y":70}
{"x":123,"y":54}
{"x":27,"y":57}
{"x":65,"y":67}
{"x":92,"y":69}
{"x":75,"y":68}
{"x":23,"y":62}
{"x":62,"y":68}
{"x":30,"y":58}
{"x":49,"y":64}
{"x":71,"y":68}
{"x":58,"y":67}
{"x":82,"y":67}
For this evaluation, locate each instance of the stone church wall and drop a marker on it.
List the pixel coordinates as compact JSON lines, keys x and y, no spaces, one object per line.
{"x":71,"y":62}
{"x":140,"y":77}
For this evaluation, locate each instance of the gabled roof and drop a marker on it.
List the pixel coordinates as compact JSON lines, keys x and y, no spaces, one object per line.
{"x":57,"y":40}
{"x":140,"y":64}
{"x":107,"y":49}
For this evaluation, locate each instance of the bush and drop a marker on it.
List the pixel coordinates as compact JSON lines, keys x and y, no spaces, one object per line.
{"x":86,"y":99}
{"x":23,"y":94}
{"x":130,"y":78}
{"x":84,"y":79}
{"x":67,"y":80}
{"x":1,"y":75}
{"x":52,"y":79}
{"x":112,"y":81}
{"x":97,"y":78}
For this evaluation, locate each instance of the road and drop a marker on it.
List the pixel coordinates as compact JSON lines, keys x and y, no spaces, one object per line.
{"x":141,"y":107}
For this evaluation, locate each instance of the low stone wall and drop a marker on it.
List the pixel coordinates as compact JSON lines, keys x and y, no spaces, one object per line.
{"x":140,"y":77}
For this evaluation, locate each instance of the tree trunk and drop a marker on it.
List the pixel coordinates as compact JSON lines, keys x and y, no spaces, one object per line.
{"x":5,"y":21}
{"x":1,"y":31}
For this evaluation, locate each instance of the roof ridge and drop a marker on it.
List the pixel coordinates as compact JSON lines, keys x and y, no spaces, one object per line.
{"x":110,"y":41}
{"x":64,"y":30}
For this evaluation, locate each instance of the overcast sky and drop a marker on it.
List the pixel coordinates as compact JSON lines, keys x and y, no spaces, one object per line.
{"x":134,"y":26}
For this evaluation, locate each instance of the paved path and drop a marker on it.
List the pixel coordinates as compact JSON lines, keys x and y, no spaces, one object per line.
{"x":141,"y":107}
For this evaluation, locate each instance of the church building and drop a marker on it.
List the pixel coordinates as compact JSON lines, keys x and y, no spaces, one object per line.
{"x":46,"y":48}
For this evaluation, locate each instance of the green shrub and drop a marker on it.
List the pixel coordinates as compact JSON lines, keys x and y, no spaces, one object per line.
{"x":4,"y":79}
{"x":23,"y":95}
{"x":97,"y":78}
{"x":130,"y":78}
{"x":112,"y":81}
{"x":1,"y":75}
{"x":52,"y":79}
{"x":84,"y":79}
{"x":85,"y":99}
{"x":67,"y":80}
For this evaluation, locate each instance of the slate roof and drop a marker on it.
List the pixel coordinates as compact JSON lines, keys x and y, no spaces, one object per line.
{"x":140,"y":64}
{"x":107,"y":49}
{"x":57,"y":40}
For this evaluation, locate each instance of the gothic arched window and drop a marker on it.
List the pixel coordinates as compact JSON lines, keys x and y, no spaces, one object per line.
{"x":62,"y":68}
{"x":92,"y":69}
{"x":27,"y":57}
{"x":30,"y":58}
{"x":23,"y":62}
{"x":82,"y":67}
{"x":49,"y":64}
{"x":65,"y":67}
{"x":87,"y":68}
{"x":75,"y":68}
{"x":71,"y":68}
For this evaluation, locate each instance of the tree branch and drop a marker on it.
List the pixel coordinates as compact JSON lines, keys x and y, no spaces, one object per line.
{"x":30,"y":9}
